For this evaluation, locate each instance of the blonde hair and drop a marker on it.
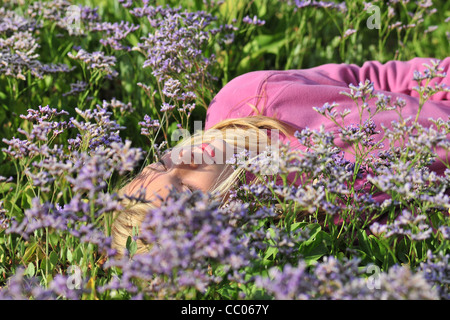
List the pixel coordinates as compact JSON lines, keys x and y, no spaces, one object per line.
{"x":254,"y":128}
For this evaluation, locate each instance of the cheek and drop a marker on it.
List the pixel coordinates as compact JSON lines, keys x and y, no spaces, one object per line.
{"x":218,"y":173}
{"x":205,"y":178}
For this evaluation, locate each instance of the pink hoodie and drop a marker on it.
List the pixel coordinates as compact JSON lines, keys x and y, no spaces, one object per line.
{"x":291,"y":95}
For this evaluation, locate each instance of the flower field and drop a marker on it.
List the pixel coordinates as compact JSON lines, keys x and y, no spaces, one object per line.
{"x":92,"y":91}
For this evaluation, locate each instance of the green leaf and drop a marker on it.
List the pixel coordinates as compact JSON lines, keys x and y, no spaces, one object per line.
{"x":53,"y":259}
{"x":272,"y":251}
{"x":29,"y":252}
{"x":69,"y":255}
{"x":54,"y":239}
{"x":131,"y":246}
{"x":364,"y":243}
{"x":30,"y":271}
{"x":77,"y":255}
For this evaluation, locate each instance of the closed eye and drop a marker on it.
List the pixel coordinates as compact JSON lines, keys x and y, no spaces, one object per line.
{"x":189,"y":187}
{"x":161,"y":162}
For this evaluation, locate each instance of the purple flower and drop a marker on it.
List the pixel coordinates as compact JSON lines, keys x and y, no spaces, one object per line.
{"x":436,"y":271}
{"x":321,"y":4}
{"x":188,"y":237}
{"x":22,"y":287}
{"x":96,"y":60}
{"x":253,"y":21}
{"x":333,"y":279}
{"x":115,"y":33}
{"x":149,"y":126}
{"x":39,"y":216}
{"x":76,"y":88}
{"x":415,"y":227}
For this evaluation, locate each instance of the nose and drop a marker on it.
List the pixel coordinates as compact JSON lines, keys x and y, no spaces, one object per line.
{"x":207,"y":147}
{"x":187,"y":158}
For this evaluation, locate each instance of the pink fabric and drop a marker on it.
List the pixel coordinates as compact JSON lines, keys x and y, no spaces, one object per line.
{"x":291,"y":95}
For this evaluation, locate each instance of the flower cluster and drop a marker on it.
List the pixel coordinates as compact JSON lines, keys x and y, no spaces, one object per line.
{"x":76,"y":88}
{"x":437,"y":272}
{"x":176,"y":46}
{"x":11,"y":21}
{"x":415,"y":227}
{"x":333,"y":279}
{"x":22,"y":287}
{"x":115,"y":33}
{"x":341,"y":6}
{"x":191,"y":244}
{"x":96,"y":61}
{"x":94,"y":156}
{"x":253,"y":21}
{"x":75,"y":19}
{"x":18,"y":56}
{"x":149,"y":126}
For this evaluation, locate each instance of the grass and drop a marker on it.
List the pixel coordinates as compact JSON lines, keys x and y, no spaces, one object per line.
{"x":68,"y":258}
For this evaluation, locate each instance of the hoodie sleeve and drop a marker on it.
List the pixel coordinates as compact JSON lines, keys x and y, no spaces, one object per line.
{"x":393,"y":76}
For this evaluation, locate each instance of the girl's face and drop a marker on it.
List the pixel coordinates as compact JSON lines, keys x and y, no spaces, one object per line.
{"x":191,"y":168}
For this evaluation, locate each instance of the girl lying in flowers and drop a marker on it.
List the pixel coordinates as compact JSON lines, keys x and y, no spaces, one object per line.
{"x":288,"y":116}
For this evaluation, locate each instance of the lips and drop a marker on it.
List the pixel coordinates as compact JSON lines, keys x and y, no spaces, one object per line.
{"x":206,"y":147}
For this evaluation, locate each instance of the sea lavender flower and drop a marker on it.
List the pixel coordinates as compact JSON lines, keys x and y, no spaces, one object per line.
{"x":336,"y":280}
{"x":398,"y":283}
{"x":90,"y":171}
{"x":348,"y":33}
{"x":115,"y":104}
{"x":432,"y":70}
{"x":11,"y":21}
{"x":126,"y":3}
{"x":39,"y":216}
{"x":115,"y":33}
{"x":415,"y":227}
{"x":63,"y":13}
{"x":76,"y":88}
{"x":308,"y":197}
{"x":425,"y":3}
{"x":176,"y":49}
{"x":290,"y":283}
{"x":44,"y":127}
{"x":424,"y":88}
{"x":177,"y":44}
{"x":149,"y":126}
{"x":21,"y":149}
{"x":187,"y":236}
{"x":18,"y":56}
{"x":98,"y":127}
{"x":431,"y":29}
{"x":401,"y":283}
{"x":22,"y":287}
{"x":363,"y":89}
{"x":4,"y":220}
{"x":96,"y":60}
{"x":436,"y":271}
{"x":341,"y":7}
{"x":253,"y":21}
{"x":360,"y":134}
